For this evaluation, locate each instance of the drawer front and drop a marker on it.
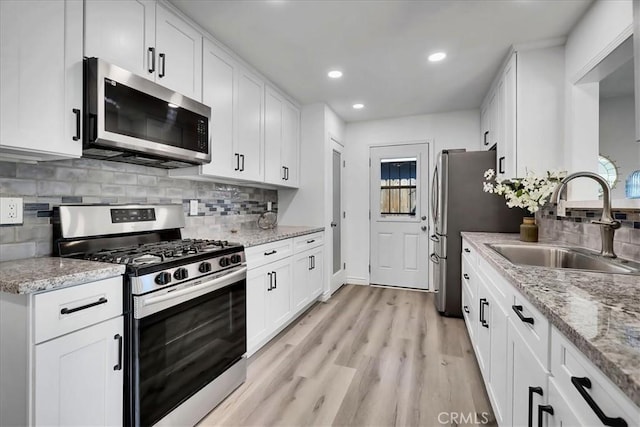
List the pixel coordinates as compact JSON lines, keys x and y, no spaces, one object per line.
{"x":469,"y":277}
{"x":568,"y":362}
{"x":531,"y":324}
{"x":260,"y":255}
{"x":308,"y":241}
{"x":469,"y":252}
{"x":66,"y":310}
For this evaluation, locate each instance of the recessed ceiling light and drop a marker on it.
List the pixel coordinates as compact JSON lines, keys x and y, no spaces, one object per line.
{"x":358,"y":106}
{"x":335,"y":74}
{"x":438,"y":56}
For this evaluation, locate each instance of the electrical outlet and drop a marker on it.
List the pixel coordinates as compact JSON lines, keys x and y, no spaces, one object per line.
{"x":10,"y":210}
{"x":193,"y":207}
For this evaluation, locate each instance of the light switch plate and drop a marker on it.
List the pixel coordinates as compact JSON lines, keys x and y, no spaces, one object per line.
{"x":193,"y":207}
{"x":11,"y":210}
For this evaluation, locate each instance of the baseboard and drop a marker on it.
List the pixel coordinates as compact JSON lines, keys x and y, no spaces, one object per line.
{"x":357,"y":280}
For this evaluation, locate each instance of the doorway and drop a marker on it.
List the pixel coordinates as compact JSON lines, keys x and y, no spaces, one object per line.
{"x":398,"y":222}
{"x":338,"y":274}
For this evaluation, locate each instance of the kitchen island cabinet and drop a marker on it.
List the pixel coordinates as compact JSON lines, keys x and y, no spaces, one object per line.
{"x":40,"y":79}
{"x":61,"y":343}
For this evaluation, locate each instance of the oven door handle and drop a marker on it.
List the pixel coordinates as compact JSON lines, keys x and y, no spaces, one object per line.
{"x":219,"y":282}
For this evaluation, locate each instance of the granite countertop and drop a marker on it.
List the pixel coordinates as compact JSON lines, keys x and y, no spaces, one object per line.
{"x":39,"y":274}
{"x":257,"y":236}
{"x":598,"y":312}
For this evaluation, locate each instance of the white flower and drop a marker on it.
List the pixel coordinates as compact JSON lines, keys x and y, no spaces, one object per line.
{"x":489,"y":173}
{"x":487,"y":187}
{"x":530,"y":192}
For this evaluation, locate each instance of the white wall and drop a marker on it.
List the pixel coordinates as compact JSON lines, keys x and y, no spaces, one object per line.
{"x":617,"y":138}
{"x":460,"y":129}
{"x":604,"y":26}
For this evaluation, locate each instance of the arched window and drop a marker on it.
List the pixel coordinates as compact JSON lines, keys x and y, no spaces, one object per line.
{"x":608,"y":170}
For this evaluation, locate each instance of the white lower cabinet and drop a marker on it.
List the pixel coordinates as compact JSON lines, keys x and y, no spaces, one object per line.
{"x":279,"y":290}
{"x":78,"y":377}
{"x":532,"y":373}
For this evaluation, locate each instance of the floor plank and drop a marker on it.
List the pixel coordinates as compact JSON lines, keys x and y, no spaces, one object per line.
{"x":370,"y":356}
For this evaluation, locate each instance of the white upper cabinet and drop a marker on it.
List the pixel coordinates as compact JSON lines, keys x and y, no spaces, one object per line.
{"x":282,"y":139}
{"x":248,"y":150}
{"x":122,"y":33}
{"x":40,"y":79}
{"x":219,"y":89}
{"x":524,"y":112}
{"x":179,"y":54}
{"x":148,"y":40}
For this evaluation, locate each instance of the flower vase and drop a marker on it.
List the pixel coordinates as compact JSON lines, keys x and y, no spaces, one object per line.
{"x":528,"y":229}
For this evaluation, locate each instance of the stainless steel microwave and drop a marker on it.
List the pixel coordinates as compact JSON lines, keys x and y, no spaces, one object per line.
{"x":131,"y":119}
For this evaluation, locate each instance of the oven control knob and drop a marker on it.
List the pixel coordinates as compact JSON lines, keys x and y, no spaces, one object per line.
{"x":224,"y":262}
{"x":163,"y":278}
{"x":205,"y":267}
{"x":181,"y":274}
{"x":235,"y":259}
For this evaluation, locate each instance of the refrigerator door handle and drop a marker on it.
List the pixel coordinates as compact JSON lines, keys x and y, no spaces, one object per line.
{"x":434,"y":196}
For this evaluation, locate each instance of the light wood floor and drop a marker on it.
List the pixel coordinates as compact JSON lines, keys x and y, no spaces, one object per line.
{"x":370,"y":356}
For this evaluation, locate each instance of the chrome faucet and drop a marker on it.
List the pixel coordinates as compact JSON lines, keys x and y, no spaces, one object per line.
{"x":608,"y":225}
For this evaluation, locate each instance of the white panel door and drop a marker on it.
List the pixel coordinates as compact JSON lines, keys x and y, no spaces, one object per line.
{"x":122,"y":33}
{"x":250,"y":142}
{"x":41,"y":77}
{"x":218,"y":92}
{"x":79,"y":377}
{"x":399,"y":225}
{"x":179,"y":54}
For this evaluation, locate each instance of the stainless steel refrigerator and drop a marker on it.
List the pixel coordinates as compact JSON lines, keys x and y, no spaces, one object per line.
{"x":459,"y":204}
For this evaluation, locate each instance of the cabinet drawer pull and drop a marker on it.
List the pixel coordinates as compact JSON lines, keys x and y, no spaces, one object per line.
{"x":537,"y":390}
{"x":466,"y":276}
{"x":151,"y":60}
{"x":543,"y":408}
{"x":582,"y":384}
{"x":311,"y":241}
{"x":162,"y":62}
{"x":466,"y":309}
{"x":65,"y":310}
{"x":118,"y":367}
{"x":270,"y":253}
{"x":77,"y":135}
{"x":501,"y":165}
{"x":486,"y":134}
{"x":467,"y":250}
{"x":483,"y":322}
{"x":518,"y":309}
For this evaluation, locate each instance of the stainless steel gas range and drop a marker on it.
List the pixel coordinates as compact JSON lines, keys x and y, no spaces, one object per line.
{"x":184,"y":305}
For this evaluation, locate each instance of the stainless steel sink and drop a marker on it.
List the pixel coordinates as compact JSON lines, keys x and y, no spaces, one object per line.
{"x":563,"y":257}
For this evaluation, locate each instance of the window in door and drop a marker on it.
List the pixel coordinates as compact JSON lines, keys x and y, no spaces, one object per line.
{"x":398,"y":186}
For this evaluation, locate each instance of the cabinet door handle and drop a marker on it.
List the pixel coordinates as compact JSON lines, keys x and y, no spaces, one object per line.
{"x":483,"y":302}
{"x":270,"y":282}
{"x":275,"y":280}
{"x":486,"y":134}
{"x":544,"y":408}
{"x":151,"y":60}
{"x":501,"y":165}
{"x":242,"y":162}
{"x":467,"y":250}
{"x":582,"y":384}
{"x":286,"y":171}
{"x":466,"y":276}
{"x":537,"y":390}
{"x":466,"y":309}
{"x":310,"y":265}
{"x":237,"y":168}
{"x":77,"y":113}
{"x":518,"y":309}
{"x":118,"y":367}
{"x":270,"y":253}
{"x":313,"y":259}
{"x":162,"y":62}
{"x":65,"y":310}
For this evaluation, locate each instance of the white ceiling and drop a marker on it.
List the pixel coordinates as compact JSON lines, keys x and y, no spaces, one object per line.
{"x":382,"y":47}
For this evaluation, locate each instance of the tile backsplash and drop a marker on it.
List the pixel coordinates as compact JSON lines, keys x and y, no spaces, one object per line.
{"x":576,"y":229}
{"x":221,"y":207}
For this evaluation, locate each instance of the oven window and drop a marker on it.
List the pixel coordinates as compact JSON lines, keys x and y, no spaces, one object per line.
{"x":139,"y":115}
{"x":183,"y":348}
